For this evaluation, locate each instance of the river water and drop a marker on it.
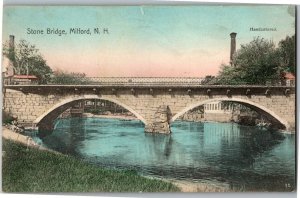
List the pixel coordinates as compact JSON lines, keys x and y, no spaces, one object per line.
{"x":242,"y":158}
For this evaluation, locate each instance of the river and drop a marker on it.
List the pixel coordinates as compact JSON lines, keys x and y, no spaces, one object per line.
{"x":241,"y":158}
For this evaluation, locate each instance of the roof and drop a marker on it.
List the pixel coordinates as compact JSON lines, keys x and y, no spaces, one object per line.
{"x":25,"y":76}
{"x":289,"y":75}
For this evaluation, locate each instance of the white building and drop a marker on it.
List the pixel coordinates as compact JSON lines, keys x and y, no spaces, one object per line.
{"x":217,"y":107}
{"x":219,"y":112}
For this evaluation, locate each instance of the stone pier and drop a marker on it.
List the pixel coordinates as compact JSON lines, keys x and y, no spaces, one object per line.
{"x":161,"y":121}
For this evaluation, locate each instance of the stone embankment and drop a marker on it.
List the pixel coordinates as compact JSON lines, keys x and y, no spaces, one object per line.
{"x":113,"y":116}
{"x":243,"y":119}
{"x":214,"y":117}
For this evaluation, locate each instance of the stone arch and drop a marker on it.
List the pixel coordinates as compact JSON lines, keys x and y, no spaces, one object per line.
{"x":248,"y":103}
{"x":57,"y":108}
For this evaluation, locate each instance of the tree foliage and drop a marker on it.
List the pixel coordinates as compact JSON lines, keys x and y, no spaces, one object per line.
{"x":287,"y":52}
{"x":209,"y":80}
{"x":254,"y":63}
{"x":63,"y":77}
{"x":27,"y":60}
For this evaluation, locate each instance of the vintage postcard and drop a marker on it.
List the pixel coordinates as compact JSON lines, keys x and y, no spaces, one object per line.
{"x":153,"y":98}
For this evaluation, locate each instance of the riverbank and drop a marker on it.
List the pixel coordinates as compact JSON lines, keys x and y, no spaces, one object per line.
{"x":22,"y":156}
{"x":189,"y":186}
{"x":186,"y":186}
{"x":29,"y":169}
{"x":10,"y":135}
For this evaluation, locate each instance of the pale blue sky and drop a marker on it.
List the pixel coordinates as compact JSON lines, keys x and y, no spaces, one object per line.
{"x":145,"y":40}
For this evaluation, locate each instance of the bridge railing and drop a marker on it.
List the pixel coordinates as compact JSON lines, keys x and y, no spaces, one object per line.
{"x":164,"y":81}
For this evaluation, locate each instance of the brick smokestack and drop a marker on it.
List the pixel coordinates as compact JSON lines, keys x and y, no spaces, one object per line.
{"x":232,"y":45}
{"x":11,"y":42}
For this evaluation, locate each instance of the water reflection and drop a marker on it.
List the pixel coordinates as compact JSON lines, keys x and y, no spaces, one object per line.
{"x":214,"y":152}
{"x":71,"y":133}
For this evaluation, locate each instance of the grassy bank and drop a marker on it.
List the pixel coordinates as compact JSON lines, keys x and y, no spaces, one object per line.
{"x":33,"y":170}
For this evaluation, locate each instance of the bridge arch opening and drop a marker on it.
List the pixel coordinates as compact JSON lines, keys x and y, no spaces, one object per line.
{"x":47,"y":119}
{"x":270,"y":115}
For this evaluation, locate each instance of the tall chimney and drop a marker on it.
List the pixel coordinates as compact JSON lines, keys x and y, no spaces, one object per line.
{"x":11,"y":42}
{"x":232,"y":46}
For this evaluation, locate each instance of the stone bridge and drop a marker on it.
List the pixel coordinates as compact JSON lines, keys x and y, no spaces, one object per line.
{"x":155,"y":105}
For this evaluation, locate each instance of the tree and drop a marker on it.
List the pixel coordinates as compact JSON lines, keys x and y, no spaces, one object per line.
{"x":229,"y":75}
{"x":287,"y":51}
{"x":209,"y":80}
{"x":254,"y":63}
{"x":27,"y":60}
{"x":40,"y":69}
{"x":63,"y":77}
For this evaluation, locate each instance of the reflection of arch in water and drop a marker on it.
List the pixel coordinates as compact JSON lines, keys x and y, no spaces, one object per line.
{"x":50,"y":115}
{"x":257,"y":107}
{"x":231,"y":143}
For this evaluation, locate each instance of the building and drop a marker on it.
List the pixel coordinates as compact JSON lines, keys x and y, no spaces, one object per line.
{"x":218,"y":111}
{"x":288,"y":79}
{"x":7,"y":71}
{"x":7,"y":64}
{"x":24,"y":80}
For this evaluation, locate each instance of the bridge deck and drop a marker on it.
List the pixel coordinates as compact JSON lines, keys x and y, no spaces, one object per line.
{"x":144,"y":85}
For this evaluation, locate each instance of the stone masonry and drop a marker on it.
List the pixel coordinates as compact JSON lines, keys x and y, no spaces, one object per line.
{"x":161,"y":124}
{"x":156,"y":107}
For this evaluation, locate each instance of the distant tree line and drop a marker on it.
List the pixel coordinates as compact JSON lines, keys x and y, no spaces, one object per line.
{"x":27,"y":60}
{"x":63,"y":77}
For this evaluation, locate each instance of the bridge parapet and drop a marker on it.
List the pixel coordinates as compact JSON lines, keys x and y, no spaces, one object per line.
{"x":160,"y":81}
{"x":179,"y":80}
{"x":153,"y":89}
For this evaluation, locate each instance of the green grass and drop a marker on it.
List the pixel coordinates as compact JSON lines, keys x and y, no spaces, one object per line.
{"x":33,"y":170}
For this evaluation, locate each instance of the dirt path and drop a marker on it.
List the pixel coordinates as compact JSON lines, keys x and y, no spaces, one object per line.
{"x":190,"y":186}
{"x":199,"y":187}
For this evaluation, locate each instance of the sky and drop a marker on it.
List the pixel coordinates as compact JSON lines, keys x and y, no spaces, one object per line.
{"x":145,"y":41}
